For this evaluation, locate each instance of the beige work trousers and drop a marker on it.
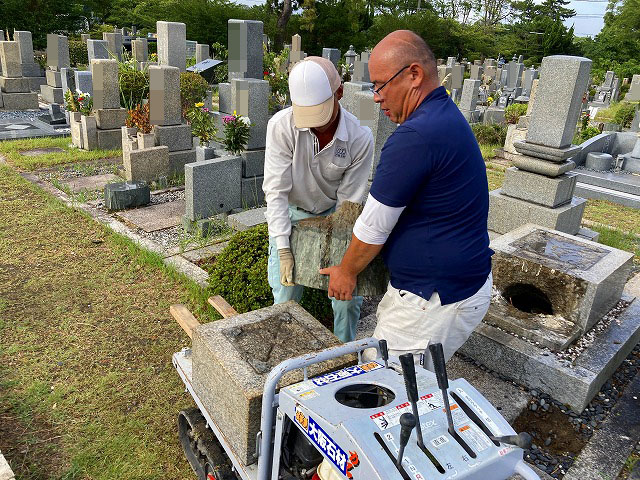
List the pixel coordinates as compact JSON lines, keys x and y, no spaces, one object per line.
{"x":410,"y":323}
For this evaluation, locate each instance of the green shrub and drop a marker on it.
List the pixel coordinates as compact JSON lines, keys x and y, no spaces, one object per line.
{"x":221,"y":72}
{"x":193,"y":89}
{"x":78,"y":53}
{"x":624,"y":115}
{"x":586,"y":133}
{"x":239,"y":275}
{"x":490,"y":134}
{"x":514,"y":111}
{"x":134,"y":84}
{"x":191,"y":61}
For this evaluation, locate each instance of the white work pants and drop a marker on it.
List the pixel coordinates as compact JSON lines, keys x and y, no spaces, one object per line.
{"x":410,"y":323}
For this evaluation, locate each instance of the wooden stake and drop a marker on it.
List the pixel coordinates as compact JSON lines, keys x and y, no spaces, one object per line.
{"x":223,"y":308}
{"x":185,"y":318}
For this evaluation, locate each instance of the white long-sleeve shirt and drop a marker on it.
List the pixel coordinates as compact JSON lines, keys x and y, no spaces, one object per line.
{"x":296,"y":173}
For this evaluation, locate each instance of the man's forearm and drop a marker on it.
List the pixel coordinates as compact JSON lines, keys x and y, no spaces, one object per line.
{"x":359,"y":255}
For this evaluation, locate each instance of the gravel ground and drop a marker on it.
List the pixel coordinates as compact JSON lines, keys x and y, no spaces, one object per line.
{"x":76,"y":172}
{"x":29,"y":115}
{"x":612,"y":170}
{"x":583,"y":424}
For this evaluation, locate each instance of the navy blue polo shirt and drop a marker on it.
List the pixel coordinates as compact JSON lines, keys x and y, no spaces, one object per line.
{"x":432,"y":165}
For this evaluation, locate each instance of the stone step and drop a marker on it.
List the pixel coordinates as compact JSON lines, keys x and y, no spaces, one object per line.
{"x":247,"y":219}
{"x":615,"y":181}
{"x":602,"y":193}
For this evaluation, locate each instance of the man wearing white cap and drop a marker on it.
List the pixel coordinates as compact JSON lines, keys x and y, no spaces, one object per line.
{"x":317,"y":156}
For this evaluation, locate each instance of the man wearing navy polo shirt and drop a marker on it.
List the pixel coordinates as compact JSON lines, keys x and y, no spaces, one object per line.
{"x":426,"y":211}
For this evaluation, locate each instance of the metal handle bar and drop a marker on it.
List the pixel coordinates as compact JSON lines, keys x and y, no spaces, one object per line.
{"x":269,"y":393}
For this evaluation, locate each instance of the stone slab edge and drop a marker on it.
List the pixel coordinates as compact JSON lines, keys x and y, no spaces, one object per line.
{"x":606,"y":453}
{"x":178,"y":262}
{"x":5,"y":469}
{"x":581,"y":374}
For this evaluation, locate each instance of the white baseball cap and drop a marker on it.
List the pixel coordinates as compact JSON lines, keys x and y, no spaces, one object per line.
{"x":312,"y":83}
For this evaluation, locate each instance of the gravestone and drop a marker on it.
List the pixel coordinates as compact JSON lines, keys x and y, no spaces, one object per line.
{"x":140,"y":52}
{"x":245,"y":49}
{"x":469,"y":100}
{"x":457,"y":78}
{"x":104,"y":76}
{"x":633,"y":95}
{"x":251,"y":99}
{"x":164,"y":95}
{"x":232,"y":359}
{"x":172,"y":47}
{"x":15,"y":88}
{"x":97,"y":49}
{"x":212,"y":187}
{"x":361,"y":68}
{"x":114,"y":44}
{"x":57,"y":52}
{"x":202,"y":52}
{"x":529,"y":76}
{"x":190,"y":48}
{"x":451,"y":61}
{"x":25,"y":45}
{"x":332,"y":54}
{"x":476,"y":72}
{"x":296,"y":54}
{"x":539,"y":190}
{"x":166,"y":116}
{"x":83,"y":81}
{"x":323,"y":241}
{"x":358,"y":100}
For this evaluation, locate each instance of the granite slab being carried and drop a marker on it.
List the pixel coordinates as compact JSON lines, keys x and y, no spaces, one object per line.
{"x":233,"y":357}
{"x":321,"y":242}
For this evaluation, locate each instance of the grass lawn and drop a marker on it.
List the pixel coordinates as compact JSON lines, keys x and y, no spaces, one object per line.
{"x":620,"y":226}
{"x":11,"y":151}
{"x":87,"y":389}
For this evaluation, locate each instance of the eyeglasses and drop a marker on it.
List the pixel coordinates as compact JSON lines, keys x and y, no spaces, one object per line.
{"x":377,"y":90}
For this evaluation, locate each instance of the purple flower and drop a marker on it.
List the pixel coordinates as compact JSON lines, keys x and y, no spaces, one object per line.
{"x":205,"y":110}
{"x":228,"y":119}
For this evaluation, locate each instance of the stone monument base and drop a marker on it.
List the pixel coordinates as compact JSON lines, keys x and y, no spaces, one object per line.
{"x":536,"y":368}
{"x":51,"y":94}
{"x":109,"y":139}
{"x":20,"y":101}
{"x":233,"y":357}
{"x":507,"y":213}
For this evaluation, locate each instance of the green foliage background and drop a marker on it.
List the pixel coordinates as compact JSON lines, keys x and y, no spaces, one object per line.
{"x":478,"y":29}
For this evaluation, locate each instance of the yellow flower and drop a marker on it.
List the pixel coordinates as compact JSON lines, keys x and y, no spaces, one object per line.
{"x":199,"y":104}
{"x":235,"y":114}
{"x":448,"y":92}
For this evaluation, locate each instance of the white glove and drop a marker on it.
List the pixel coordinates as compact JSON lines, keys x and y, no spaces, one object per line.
{"x":286,"y":267}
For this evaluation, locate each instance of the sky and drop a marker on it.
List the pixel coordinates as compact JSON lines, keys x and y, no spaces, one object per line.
{"x":589,"y":17}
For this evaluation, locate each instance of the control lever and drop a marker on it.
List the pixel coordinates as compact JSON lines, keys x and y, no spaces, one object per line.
{"x":522,"y":440}
{"x":437,"y":357}
{"x":410,"y":382}
{"x":407,"y":424}
{"x":384,"y":352}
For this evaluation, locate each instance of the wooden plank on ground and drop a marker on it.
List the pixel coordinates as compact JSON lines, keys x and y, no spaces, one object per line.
{"x":185,"y":318}
{"x":223,"y":308}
